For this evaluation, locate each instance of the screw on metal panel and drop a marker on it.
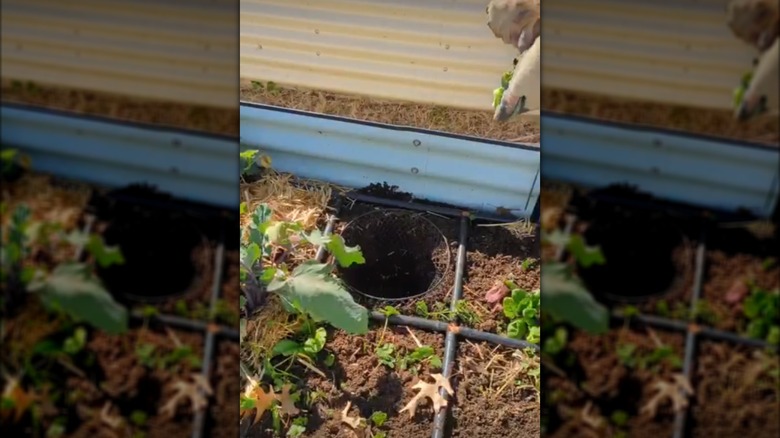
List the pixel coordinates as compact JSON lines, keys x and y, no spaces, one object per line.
{"x":318,"y":53}
{"x":445,"y":69}
{"x":176,"y":142}
{"x":657,"y":142}
{"x":174,"y":170}
{"x":260,"y":47}
{"x":317,"y":31}
{"x":417,"y":142}
{"x":655,"y":170}
{"x":446,"y":47}
{"x":415,"y":170}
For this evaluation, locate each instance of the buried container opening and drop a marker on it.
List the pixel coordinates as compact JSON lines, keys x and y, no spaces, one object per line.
{"x":644,"y":257}
{"x":406,"y":254}
{"x":164,"y":257}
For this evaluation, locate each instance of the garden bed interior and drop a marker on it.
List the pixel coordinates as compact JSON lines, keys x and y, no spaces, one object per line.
{"x":116,"y":385}
{"x":679,"y":284}
{"x":428,"y":253}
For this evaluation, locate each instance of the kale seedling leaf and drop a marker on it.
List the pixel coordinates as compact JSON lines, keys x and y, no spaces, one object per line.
{"x":565,"y":298}
{"x":345,"y":255}
{"x":316,"y":343}
{"x":71,"y":287}
{"x":322,"y":296}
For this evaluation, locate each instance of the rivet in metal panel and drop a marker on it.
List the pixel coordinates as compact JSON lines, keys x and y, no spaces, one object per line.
{"x":446,"y":47}
{"x":655,"y":170}
{"x":176,"y":142}
{"x":317,"y":31}
{"x":260,"y":46}
{"x":417,"y":142}
{"x":657,"y":142}
{"x":174,"y":170}
{"x":445,"y":68}
{"x":415,"y":170}
{"x":318,"y":53}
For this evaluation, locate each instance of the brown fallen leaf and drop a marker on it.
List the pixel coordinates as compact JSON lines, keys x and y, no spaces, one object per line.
{"x":591,"y":419}
{"x":21,"y":399}
{"x":188,"y":390}
{"x":431,"y":391}
{"x":353,"y":422}
{"x":263,"y":400}
{"x":286,"y":402}
{"x":678,"y":391}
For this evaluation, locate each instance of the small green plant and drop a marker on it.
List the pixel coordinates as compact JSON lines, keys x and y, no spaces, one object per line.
{"x":378,"y":418}
{"x":527,"y":264}
{"x":557,"y":342}
{"x":386,"y":355}
{"x":252,"y":162}
{"x":70,"y":287}
{"x":419,"y":355}
{"x":762,"y":308}
{"x":311,"y":287}
{"x":522,"y":310}
{"x":629,"y":356}
{"x":12,"y":162}
{"x":565,"y":297}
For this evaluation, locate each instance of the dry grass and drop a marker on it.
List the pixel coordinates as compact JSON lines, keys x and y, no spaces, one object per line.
{"x":473,"y":123}
{"x":501,"y":369}
{"x":184,"y":116}
{"x":49,"y":200}
{"x":719,"y":123}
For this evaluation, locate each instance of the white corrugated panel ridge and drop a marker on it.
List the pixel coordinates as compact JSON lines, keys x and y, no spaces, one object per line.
{"x":428,"y":51}
{"x":158,"y":50}
{"x":672,"y":52}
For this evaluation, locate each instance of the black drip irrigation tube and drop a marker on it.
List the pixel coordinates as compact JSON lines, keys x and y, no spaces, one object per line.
{"x":692,"y":331}
{"x":212,"y":333}
{"x":452,"y":329}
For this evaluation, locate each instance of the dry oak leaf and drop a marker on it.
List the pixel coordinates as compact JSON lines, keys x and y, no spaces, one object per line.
{"x":263,"y":400}
{"x":286,"y":402}
{"x":353,"y":422}
{"x":677,"y":391}
{"x":430,"y":390}
{"x":188,"y":390}
{"x":21,"y":399}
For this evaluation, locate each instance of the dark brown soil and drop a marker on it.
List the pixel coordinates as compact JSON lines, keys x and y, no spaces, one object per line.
{"x":726,"y":286}
{"x":135,"y":373}
{"x":124,"y":108}
{"x":441,"y":294}
{"x":405,"y":254}
{"x":486,"y":406}
{"x":356,"y":376}
{"x":224,"y":411}
{"x":497,"y":254}
{"x":737,"y":393}
{"x":597,"y":375}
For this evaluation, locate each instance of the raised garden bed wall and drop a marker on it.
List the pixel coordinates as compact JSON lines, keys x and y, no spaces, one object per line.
{"x":695,"y":306}
{"x":444,"y":247}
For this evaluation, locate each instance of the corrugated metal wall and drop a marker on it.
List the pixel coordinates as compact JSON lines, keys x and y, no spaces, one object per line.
{"x":106,"y":152}
{"x":479,"y":174}
{"x":178,"y":50}
{"x":429,"y":51}
{"x":667,"y":51}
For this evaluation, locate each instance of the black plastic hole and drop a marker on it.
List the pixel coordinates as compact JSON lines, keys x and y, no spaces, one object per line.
{"x":642,"y":254}
{"x":161,"y":253}
{"x":406,"y":254}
